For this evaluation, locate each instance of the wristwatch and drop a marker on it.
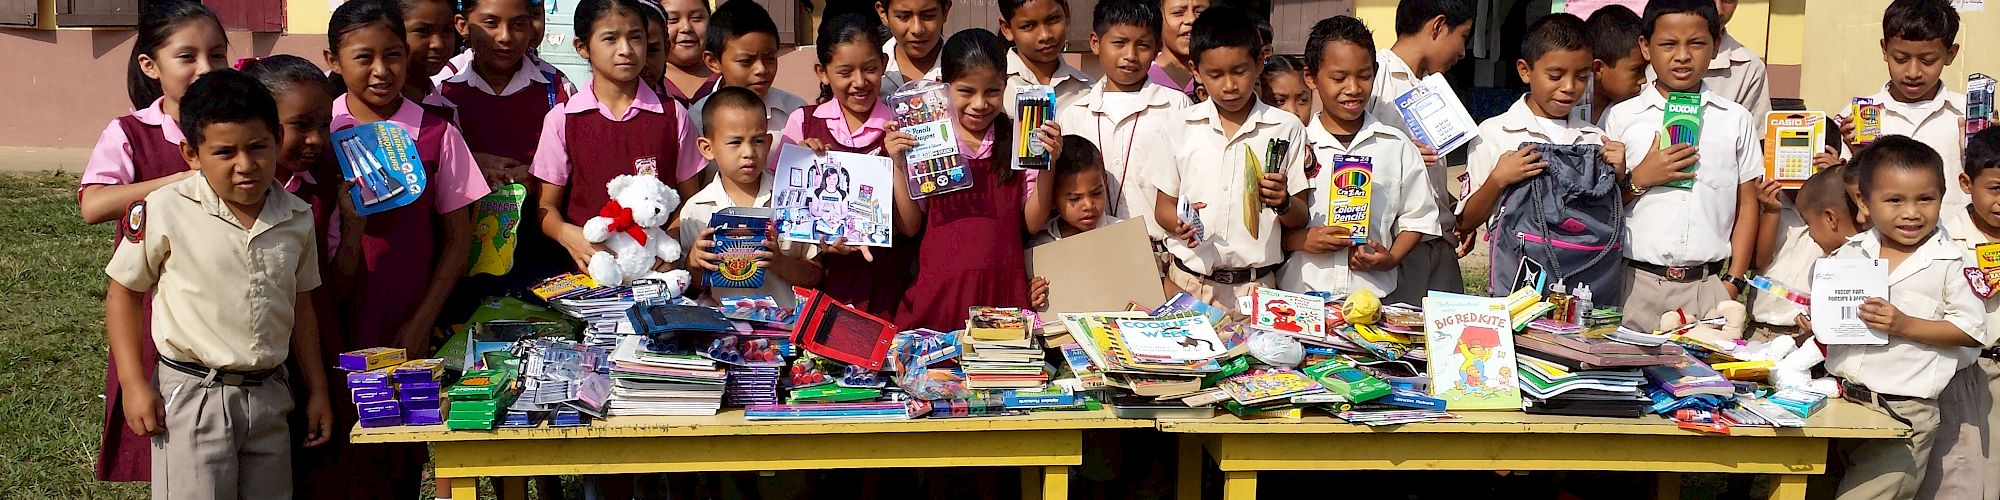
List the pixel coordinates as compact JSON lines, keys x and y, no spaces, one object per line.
{"x":1284,"y":206}
{"x":1634,"y":188}
{"x":1736,"y":281}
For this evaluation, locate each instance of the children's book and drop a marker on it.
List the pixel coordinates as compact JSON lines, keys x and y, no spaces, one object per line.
{"x":1350,"y":191}
{"x":996,"y":323}
{"x":1471,"y":347}
{"x":1435,"y":116}
{"x":1033,"y":106}
{"x":820,"y":199}
{"x":1681,"y":124}
{"x":1185,"y":339}
{"x":495,"y":218}
{"x":1791,"y":138}
{"x":1979,"y":98}
{"x":739,"y":235}
{"x":922,"y":110}
{"x":381,"y":160}
{"x":1269,"y":384}
{"x":1839,"y":287}
{"x":1293,"y":314}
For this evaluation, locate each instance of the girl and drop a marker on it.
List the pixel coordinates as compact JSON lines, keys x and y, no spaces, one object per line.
{"x":917,"y":26}
{"x":391,"y":271}
{"x":615,"y":127}
{"x":1284,"y":87}
{"x":972,"y":249}
{"x":687,"y":77}
{"x":502,"y":95}
{"x":137,"y":153}
{"x":654,"y":74}
{"x":427,"y":25}
{"x":850,"y":117}
{"x":1176,"y":70}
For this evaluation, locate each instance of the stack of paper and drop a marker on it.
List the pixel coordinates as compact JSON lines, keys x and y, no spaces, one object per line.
{"x":602,"y":311}
{"x":1579,"y":351}
{"x":1549,"y":387}
{"x":645,"y":382}
{"x":1393,"y":416}
{"x":1009,"y":364}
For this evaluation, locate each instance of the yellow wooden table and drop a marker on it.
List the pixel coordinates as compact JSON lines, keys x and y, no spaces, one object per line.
{"x":1517,"y":441}
{"x":1044,"y":444}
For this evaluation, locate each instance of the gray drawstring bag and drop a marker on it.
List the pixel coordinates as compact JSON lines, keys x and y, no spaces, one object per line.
{"x":1568,"y":222}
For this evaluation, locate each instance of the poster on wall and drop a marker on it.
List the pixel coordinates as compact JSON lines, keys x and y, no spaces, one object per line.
{"x":1583,"y":8}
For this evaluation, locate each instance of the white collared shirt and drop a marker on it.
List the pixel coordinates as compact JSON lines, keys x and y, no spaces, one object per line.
{"x":1393,"y":77}
{"x":1209,"y":168}
{"x":1687,"y":226}
{"x":1398,"y":201}
{"x":1792,"y":267}
{"x":1938,"y":123}
{"x":1506,"y":133}
{"x":1929,"y":284}
{"x":1129,"y":139}
{"x":778,"y":106}
{"x":1958,"y":225}
{"x":526,"y":74}
{"x":713,"y":198}
{"x":1068,"y":81}
{"x":892,"y":71}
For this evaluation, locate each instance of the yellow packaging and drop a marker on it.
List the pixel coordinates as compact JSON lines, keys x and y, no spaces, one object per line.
{"x":1351,"y":192}
{"x":1989,"y":261}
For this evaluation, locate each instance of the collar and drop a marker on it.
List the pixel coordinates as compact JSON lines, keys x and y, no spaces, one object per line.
{"x":1393,"y":65}
{"x":527,"y":73}
{"x":1946,"y":99}
{"x":155,"y":116}
{"x":1152,"y":94}
{"x":1521,"y":118}
{"x":1959,"y":226}
{"x":715,"y":195}
{"x":1318,"y":137}
{"x":891,"y":67}
{"x":779,"y":104}
{"x":983,"y":151}
{"x":279,"y":206}
{"x":1260,"y":114}
{"x":1729,"y":53}
{"x":1936,"y":247}
{"x":1158,"y":75}
{"x":587,"y":100}
{"x":879,"y":117}
{"x":410,"y":116}
{"x":1016,"y":66}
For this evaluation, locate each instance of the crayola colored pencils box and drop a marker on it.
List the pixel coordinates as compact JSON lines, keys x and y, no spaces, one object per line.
{"x":1351,"y":189}
{"x":1681,"y":124}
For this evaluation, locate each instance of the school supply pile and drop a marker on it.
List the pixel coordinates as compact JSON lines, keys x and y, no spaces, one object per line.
{"x":480,"y":398}
{"x":655,"y":377}
{"x":601,"y":308}
{"x":1549,"y":387}
{"x":999,"y":351}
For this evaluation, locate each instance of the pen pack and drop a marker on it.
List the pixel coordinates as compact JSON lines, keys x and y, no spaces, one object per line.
{"x":381,"y":160}
{"x":1979,"y":90}
{"x":1033,"y":106}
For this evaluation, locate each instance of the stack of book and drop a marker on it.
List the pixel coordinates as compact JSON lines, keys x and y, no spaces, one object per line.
{"x":999,"y":352}
{"x":1577,"y":351}
{"x":1689,"y":378}
{"x":646,"y":380}
{"x":601,"y":308}
{"x":1549,"y":387}
{"x":1149,"y":357}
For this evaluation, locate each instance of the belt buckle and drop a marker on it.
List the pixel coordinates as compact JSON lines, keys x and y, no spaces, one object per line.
{"x":229,"y":378}
{"x":1677,"y":273}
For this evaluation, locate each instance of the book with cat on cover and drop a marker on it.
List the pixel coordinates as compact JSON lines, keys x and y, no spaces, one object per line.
{"x":1184,"y":339}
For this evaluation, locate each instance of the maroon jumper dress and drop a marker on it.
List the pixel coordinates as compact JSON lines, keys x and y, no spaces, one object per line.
{"x":122,"y":455}
{"x":873,"y":287}
{"x":510,"y":127}
{"x":601,"y":148}
{"x":972,"y":253}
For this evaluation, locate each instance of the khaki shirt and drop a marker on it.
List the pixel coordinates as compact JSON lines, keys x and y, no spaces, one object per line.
{"x":1398,"y":201}
{"x":1129,"y":138}
{"x":704,"y":204}
{"x":1687,"y":226}
{"x":1068,"y":81}
{"x":1938,"y":123}
{"x":223,"y":294}
{"x":1506,"y":133}
{"x":1210,"y":168}
{"x":1929,"y":284}
{"x":1966,"y":237}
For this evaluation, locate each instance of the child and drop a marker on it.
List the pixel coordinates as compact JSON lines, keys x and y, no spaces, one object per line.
{"x":1232,"y":257}
{"x":1176,"y":71}
{"x":1933,"y":321}
{"x":537,"y":28}
{"x":1340,"y":57}
{"x":501,"y":97}
{"x":741,"y":46}
{"x":917,"y":27}
{"x":430,"y":27}
{"x":972,"y":238}
{"x":305,"y":111}
{"x":217,"y":410}
{"x":1037,"y":29}
{"x":1080,"y":195}
{"x":1682,"y":236}
{"x":1282,"y":85}
{"x":1737,"y":72}
{"x":1969,"y":227}
{"x":1430,"y":38}
{"x":1130,"y":121}
{"x":736,"y":138}
{"x":688,"y":79}
{"x":654,"y":72}
{"x":1828,"y":221}
{"x":615,"y":127}
{"x":1619,"y":68}
{"x":136,"y":154}
{"x":1918,"y":42}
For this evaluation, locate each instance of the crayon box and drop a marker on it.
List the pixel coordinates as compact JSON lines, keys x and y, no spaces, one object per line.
{"x":1350,"y":194}
{"x":1681,"y":124}
{"x":1867,"y":116}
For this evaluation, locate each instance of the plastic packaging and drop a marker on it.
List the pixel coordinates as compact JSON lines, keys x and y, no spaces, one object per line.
{"x":1276,"y":349}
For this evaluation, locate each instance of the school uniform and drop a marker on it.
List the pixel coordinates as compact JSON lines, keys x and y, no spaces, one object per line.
{"x":1433,"y":264}
{"x":223,"y":329}
{"x":1505,"y":134}
{"x":778,"y":106}
{"x":1393,"y":77}
{"x":1208,"y":167}
{"x":1131,"y":130}
{"x":876,"y":286}
{"x":892,"y":71}
{"x":1054,"y":232}
{"x":463,"y":62}
{"x":1069,"y":82}
{"x":1905,"y":378}
{"x":583,"y":146}
{"x":1398,"y":202}
{"x":1680,"y":236}
{"x":695,"y":214}
{"x":1738,"y":73}
{"x":1772,"y":316}
{"x":1938,"y":123}
{"x":1158,"y":75}
{"x":1965,"y":465}
{"x":502,"y":120}
{"x":134,"y":148}
{"x":973,"y":246}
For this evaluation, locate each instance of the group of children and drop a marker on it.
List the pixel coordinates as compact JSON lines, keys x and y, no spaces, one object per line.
{"x":683,"y":93}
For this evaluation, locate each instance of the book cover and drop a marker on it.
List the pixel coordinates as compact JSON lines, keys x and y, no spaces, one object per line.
{"x":1349,"y":195}
{"x":1435,"y":116}
{"x":1269,"y":384}
{"x":740,"y":232}
{"x":495,"y":218}
{"x":1033,"y":106}
{"x":1681,"y":124}
{"x":1185,"y":339}
{"x":1294,"y":314}
{"x":1791,"y":138}
{"x":923,"y":111}
{"x":820,"y":199}
{"x":996,"y":323}
{"x":381,"y":160}
{"x":1472,"y":352}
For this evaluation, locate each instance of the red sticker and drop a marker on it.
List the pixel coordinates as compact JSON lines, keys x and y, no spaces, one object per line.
{"x":1980,"y":286}
{"x":135,"y":222}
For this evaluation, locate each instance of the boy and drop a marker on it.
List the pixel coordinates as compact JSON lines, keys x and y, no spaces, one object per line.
{"x":1430,"y":38}
{"x":917,"y":30}
{"x":1340,"y":69}
{"x":1619,"y":69}
{"x":1917,"y":43}
{"x":1132,"y":122}
{"x":734,"y":135}
{"x":741,"y":46}
{"x":1933,"y":321}
{"x":218,"y":412}
{"x":1828,"y":221}
{"x":1681,"y":235}
{"x":1969,"y":227}
{"x":1080,"y":192}
{"x":1737,"y":72}
{"x":1238,"y":248}
{"x":1176,"y":71}
{"x":1036,"y":28}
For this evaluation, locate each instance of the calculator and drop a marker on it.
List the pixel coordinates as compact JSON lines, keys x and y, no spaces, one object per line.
{"x":1791,"y":140}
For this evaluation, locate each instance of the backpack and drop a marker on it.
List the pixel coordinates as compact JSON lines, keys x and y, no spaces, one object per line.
{"x":1568,"y":222}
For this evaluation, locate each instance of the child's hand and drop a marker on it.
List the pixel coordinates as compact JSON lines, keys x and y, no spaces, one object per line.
{"x":145,"y":413}
{"x":1038,"y":293}
{"x":1466,"y":241}
{"x":1051,"y":135}
{"x":840,"y":247}
{"x":1185,"y":231}
{"x":1846,"y":131}
{"x":703,"y":255}
{"x":817,"y":146}
{"x":1517,"y":166}
{"x":1430,"y":155}
{"x":898,"y":144}
{"x":1372,"y":257}
{"x":1328,"y":239}
{"x":415,"y":336}
{"x":1767,"y":196}
{"x":580,"y":249}
{"x":1827,"y":158}
{"x":1272,"y":189}
{"x":499,"y":170}
{"x":1663,"y":165}
{"x":1614,"y":154}
{"x":350,"y":219}
{"x":1882,"y":316}
{"x":319,"y":419}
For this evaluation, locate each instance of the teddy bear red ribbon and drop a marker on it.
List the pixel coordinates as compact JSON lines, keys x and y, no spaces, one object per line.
{"x":621,"y":220}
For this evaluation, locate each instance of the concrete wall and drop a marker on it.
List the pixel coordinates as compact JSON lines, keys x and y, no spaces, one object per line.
{"x":1840,"y":51}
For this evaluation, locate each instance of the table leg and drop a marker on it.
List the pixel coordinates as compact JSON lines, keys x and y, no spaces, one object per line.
{"x":1789,"y":487}
{"x":1239,"y":485}
{"x":1667,"y":486}
{"x":1187,"y":481}
{"x":1031,"y":483}
{"x":1055,"y":482}
{"x":509,"y":488}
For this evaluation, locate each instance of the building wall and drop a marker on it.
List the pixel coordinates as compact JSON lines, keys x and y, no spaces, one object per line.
{"x":1840,"y":51}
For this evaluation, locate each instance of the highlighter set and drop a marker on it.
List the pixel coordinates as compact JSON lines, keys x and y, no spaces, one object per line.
{"x":1033,"y":106}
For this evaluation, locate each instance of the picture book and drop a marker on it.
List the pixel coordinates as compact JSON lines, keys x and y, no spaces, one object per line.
{"x":820,"y":199}
{"x":1269,"y":384}
{"x":1253,"y":203}
{"x":1681,"y":124}
{"x":1791,"y":138}
{"x":1349,"y":193}
{"x":1033,"y":106}
{"x":740,"y":232}
{"x":495,"y":219}
{"x":996,"y":323}
{"x":1435,"y":116}
{"x":1471,"y":348}
{"x":1979,"y":99}
{"x":1867,"y":116}
{"x":1185,"y":339}
{"x":923,"y":111}
{"x":381,"y":160}
{"x":1294,"y":314}
{"x":1839,"y":286}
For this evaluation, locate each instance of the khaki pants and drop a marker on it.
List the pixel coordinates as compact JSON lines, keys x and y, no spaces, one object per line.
{"x":1956,"y":468}
{"x":1651,"y":295}
{"x":1890,"y":469}
{"x":1432,"y":265}
{"x":1221,"y":296}
{"x":1764,"y":332}
{"x":223,"y":441}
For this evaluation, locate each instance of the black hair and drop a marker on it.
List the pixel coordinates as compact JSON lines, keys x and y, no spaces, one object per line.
{"x":1336,"y":29}
{"x":225,"y":96}
{"x":1079,"y":156}
{"x":1007,"y":7}
{"x":1613,"y":32}
{"x":1264,"y":33}
{"x":729,"y":98}
{"x":357,"y":14}
{"x":1982,"y":151}
{"x":736,"y":19}
{"x":1412,"y":14}
{"x":846,"y":29}
{"x":1220,"y":27}
{"x":588,"y":12}
{"x":1656,"y":9}
{"x":884,"y":4}
{"x":1554,"y":33}
{"x":1920,"y":21}
{"x":285,"y":73}
{"x":653,"y":11}
{"x":972,"y":49}
{"x":1278,"y":63}
{"x":158,"y":22}
{"x":1825,"y":190}
{"x":1897,"y":151}
{"x":1139,"y":13}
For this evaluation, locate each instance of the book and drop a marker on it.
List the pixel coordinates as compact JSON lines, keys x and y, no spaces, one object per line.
{"x":1435,"y":116}
{"x":923,"y":111}
{"x":1839,"y":287}
{"x":1253,"y":202}
{"x":884,"y":410}
{"x":1033,"y":106}
{"x":1293,"y":314}
{"x":1351,"y":188}
{"x":1579,"y":342}
{"x":996,"y":323}
{"x":381,"y":160}
{"x":1681,"y":124}
{"x":1791,"y":138}
{"x":1269,"y":384}
{"x":1185,"y":339}
{"x":1471,"y":346}
{"x":824,"y":198}
{"x":1586,"y":360}
{"x":740,"y":232}
{"x":1692,"y":377}
{"x":495,"y":219}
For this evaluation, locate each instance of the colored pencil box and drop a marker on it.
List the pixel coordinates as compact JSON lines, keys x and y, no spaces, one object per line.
{"x":377,"y":379}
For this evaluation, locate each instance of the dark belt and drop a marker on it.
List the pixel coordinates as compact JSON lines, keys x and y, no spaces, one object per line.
{"x":1678,"y":274}
{"x":1235,"y":276}
{"x":1860,"y":394}
{"x":224,"y":377}
{"x":1990,"y":353}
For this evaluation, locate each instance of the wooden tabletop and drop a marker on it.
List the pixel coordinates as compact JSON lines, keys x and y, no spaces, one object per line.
{"x":731,"y":423}
{"x":1840,"y":419}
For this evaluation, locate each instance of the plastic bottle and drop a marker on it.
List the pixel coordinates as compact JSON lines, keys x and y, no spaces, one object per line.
{"x":1584,"y":304}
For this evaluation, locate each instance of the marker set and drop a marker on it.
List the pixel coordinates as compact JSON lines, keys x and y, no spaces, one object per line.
{"x":381,"y":161}
{"x":1033,"y":106}
{"x":1867,"y":116}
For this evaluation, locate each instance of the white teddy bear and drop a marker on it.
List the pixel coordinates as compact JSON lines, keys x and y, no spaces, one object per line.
{"x":629,"y":227}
